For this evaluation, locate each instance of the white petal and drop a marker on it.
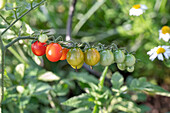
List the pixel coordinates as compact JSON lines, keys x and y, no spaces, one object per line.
{"x":166,"y":47}
{"x":160,"y":57}
{"x":165,"y":37}
{"x":143,"y":7}
{"x":152,"y":57}
{"x":166,"y":55}
{"x":135,"y":12}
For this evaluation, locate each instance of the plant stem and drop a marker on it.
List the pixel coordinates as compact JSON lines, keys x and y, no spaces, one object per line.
{"x":96,"y":109}
{"x":143,"y":20}
{"x":7,"y":23}
{"x":69,"y":21}
{"x":2,"y":73}
{"x":17,"y":39}
{"x":102,"y":78}
{"x":22,"y":16}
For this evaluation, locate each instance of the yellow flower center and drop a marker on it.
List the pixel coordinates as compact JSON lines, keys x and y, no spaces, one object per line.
{"x":137,"y":6}
{"x":165,"y":29}
{"x":160,"y":50}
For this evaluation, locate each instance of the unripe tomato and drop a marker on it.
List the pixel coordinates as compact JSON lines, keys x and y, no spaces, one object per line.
{"x":91,"y":56}
{"x":75,"y":56}
{"x":64,"y":53}
{"x":106,"y":57}
{"x":38,"y":48}
{"x":130,"y":69}
{"x":54,"y":52}
{"x":43,"y":38}
{"x":119,"y":56}
{"x":130,"y":60}
{"x":2,"y":4}
{"x":79,"y":66}
{"x":121,"y":66}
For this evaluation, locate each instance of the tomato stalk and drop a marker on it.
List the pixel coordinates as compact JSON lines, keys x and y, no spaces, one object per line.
{"x":96,"y":109}
{"x":102,"y":78}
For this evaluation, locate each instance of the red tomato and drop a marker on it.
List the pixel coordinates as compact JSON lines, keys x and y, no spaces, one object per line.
{"x":64,"y":53}
{"x":54,"y":52}
{"x":38,"y":48}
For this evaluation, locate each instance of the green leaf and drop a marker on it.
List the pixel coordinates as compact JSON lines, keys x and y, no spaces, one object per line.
{"x":19,"y":72}
{"x":61,"y":89}
{"x":81,"y":110}
{"x":7,"y":81}
{"x":83,"y":77}
{"x":117,"y":80}
{"x":41,"y":88}
{"x":48,"y":77}
{"x":142,"y":85}
{"x":82,"y":100}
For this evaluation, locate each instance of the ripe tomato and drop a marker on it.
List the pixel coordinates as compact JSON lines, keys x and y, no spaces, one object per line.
{"x":75,"y":56}
{"x":38,"y":48}
{"x":121,"y":66}
{"x":43,"y":38}
{"x":119,"y":56}
{"x":91,"y":56}
{"x":130,"y":69}
{"x":106,"y":57}
{"x":54,"y":52}
{"x":64,"y":53}
{"x":79,"y":66}
{"x":130,"y":60}
{"x":2,"y":4}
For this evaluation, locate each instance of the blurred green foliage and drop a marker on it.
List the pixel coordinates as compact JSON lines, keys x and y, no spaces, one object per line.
{"x":40,"y":86}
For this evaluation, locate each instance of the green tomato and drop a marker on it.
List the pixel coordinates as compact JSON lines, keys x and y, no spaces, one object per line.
{"x":130,"y":60}
{"x":2,"y":4}
{"x":91,"y":56}
{"x":75,"y":56}
{"x":79,"y":66}
{"x":119,"y":56}
{"x":106,"y":57}
{"x":43,"y":38}
{"x":130,"y":69}
{"x":121,"y":66}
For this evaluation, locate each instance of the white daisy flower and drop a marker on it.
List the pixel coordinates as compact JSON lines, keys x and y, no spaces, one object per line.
{"x":159,"y":52}
{"x":137,"y":10}
{"x":164,"y":33}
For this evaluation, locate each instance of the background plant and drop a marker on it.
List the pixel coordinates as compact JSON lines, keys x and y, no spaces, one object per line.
{"x":35,"y":86}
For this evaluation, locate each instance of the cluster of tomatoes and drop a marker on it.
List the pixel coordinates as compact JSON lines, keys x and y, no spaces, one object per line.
{"x":76,"y":57}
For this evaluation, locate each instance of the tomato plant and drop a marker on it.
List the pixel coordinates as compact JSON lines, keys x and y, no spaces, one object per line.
{"x":106,"y":57}
{"x":2,"y":4}
{"x":119,"y":56}
{"x":91,"y":56}
{"x":64,"y":53}
{"x":38,"y":48}
{"x":43,"y":38}
{"x":54,"y":52}
{"x":130,"y":60}
{"x":75,"y":56}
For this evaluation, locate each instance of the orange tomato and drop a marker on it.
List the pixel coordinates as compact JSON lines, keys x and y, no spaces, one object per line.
{"x":64,"y":53}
